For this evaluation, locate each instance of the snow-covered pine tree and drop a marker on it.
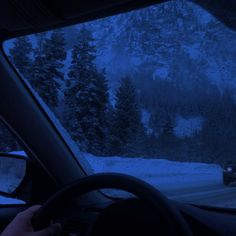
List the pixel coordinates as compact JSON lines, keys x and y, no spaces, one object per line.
{"x":127,"y":125}
{"x":102,"y":111}
{"x":49,"y":57}
{"x":86,"y":96}
{"x":20,"y":55}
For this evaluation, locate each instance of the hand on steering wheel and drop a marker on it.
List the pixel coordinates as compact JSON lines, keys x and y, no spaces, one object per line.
{"x":21,"y":225}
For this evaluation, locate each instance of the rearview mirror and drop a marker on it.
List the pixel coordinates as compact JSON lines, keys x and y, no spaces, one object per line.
{"x":12,"y":172}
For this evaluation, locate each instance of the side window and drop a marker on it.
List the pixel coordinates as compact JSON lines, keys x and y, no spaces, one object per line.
{"x":12,"y":168}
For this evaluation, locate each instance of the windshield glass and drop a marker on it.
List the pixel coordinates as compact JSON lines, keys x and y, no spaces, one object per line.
{"x":150,"y":93}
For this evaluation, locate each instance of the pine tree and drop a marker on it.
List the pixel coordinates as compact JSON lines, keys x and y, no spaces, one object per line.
{"x":127,"y":125}
{"x":86,"y":96}
{"x":20,"y":54}
{"x":102,"y":112}
{"x":49,"y":57}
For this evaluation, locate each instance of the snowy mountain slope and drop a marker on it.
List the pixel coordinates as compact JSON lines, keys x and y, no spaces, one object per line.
{"x":156,"y":38}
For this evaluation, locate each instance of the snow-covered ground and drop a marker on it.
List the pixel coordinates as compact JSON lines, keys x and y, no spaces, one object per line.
{"x":164,"y":174}
{"x":168,"y":176}
{"x":197,"y":183}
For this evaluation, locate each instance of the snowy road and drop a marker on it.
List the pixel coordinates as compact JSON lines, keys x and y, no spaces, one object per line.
{"x":212,"y":195}
{"x":197,"y":183}
{"x":217,"y":195}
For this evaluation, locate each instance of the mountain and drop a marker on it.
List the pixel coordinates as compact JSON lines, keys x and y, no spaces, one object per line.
{"x":167,"y":41}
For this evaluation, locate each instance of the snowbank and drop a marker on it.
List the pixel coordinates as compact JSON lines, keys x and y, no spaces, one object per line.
{"x":161,"y":173}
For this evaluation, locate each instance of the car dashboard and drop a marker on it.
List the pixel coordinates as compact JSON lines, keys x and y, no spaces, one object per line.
{"x":130,"y":213}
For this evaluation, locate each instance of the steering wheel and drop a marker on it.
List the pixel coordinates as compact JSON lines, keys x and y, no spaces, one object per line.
{"x":144,"y":191}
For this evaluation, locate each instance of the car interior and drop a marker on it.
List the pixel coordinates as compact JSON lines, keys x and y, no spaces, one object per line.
{"x":54,"y":177}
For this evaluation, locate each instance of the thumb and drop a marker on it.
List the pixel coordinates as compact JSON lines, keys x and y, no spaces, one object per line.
{"x":51,"y":230}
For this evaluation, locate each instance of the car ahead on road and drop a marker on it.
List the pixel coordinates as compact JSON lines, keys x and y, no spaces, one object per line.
{"x":229,"y":173}
{"x":51,"y":172}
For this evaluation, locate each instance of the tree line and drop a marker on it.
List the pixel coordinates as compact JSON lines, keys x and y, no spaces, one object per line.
{"x":78,"y":92}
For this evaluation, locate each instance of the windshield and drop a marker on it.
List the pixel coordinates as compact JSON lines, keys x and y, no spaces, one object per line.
{"x":150,"y":93}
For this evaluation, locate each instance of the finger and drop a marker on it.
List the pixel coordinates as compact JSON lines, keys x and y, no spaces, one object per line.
{"x":52,"y":230}
{"x":31,"y":210}
{"x":28,"y":213}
